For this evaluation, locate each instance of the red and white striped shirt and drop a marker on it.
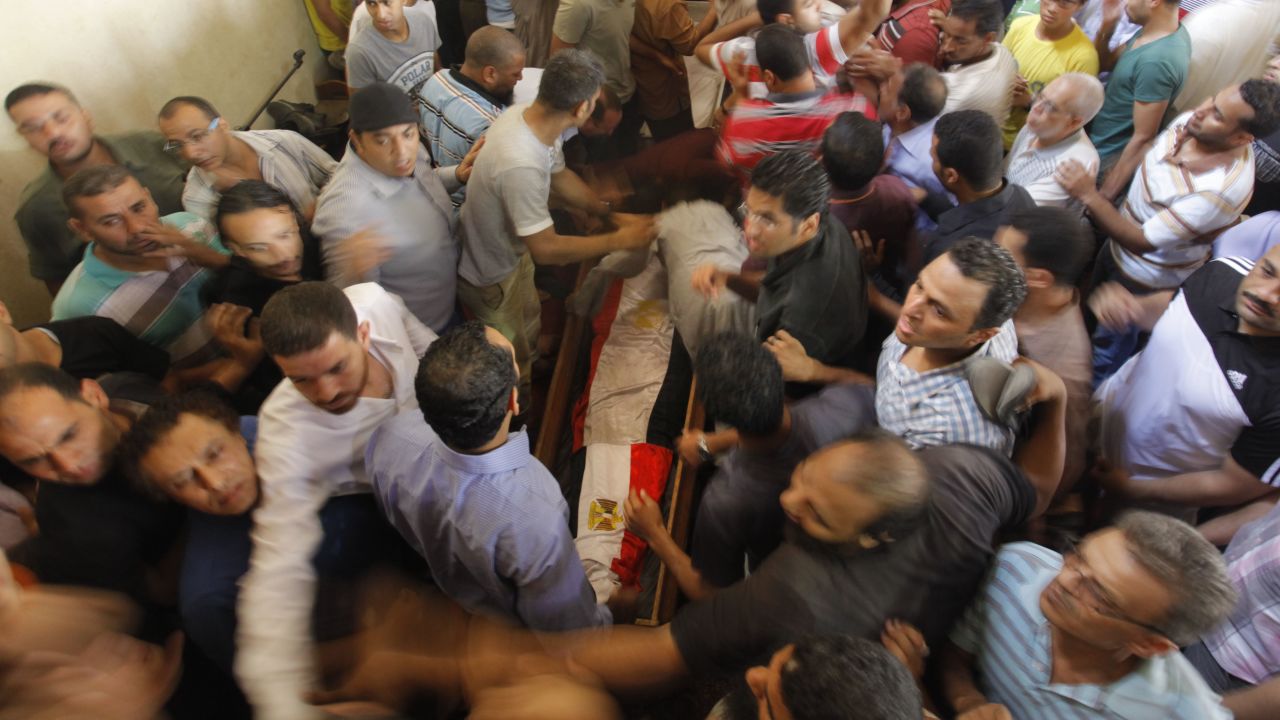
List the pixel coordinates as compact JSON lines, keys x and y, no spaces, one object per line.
{"x":759,"y":127}
{"x":826,"y":56}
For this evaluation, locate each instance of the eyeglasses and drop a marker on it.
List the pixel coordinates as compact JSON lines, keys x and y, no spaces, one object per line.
{"x":765,"y":223}
{"x":1049,"y":105}
{"x":1096,"y":598}
{"x":195,"y":138}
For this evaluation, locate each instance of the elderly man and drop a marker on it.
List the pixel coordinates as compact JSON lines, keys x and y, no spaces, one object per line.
{"x":194,"y":130}
{"x":459,"y":104}
{"x":1045,"y":47}
{"x":386,"y":217}
{"x":55,"y":125}
{"x":1054,"y":133}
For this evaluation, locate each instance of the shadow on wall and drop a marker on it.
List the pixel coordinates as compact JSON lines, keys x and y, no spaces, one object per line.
{"x":123,"y":60}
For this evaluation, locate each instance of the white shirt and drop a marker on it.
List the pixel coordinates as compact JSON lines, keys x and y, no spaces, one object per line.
{"x":1033,"y":167}
{"x":985,"y":85}
{"x":304,"y":457}
{"x":287,"y":161}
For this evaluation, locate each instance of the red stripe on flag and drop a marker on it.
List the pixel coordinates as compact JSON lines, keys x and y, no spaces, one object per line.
{"x":650,"y":468}
{"x":601,"y":325}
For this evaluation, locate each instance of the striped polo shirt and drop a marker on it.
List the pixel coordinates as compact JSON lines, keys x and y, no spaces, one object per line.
{"x":161,"y":307}
{"x":1179,"y":210}
{"x":794,"y":121}
{"x":1012,"y":646}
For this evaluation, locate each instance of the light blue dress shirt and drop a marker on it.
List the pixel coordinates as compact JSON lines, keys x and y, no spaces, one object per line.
{"x":910,"y":158}
{"x":494,"y":528}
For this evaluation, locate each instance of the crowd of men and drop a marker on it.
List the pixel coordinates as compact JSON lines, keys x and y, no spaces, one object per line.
{"x":982,"y":300}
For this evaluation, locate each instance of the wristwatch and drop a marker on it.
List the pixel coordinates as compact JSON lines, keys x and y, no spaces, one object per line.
{"x":704,"y":452}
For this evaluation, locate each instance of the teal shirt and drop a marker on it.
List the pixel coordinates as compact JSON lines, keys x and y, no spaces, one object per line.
{"x":161,"y":307}
{"x":1149,"y":74}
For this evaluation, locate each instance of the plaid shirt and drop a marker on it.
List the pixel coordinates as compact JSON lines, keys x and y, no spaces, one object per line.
{"x":1247,"y":645}
{"x":937,"y":407}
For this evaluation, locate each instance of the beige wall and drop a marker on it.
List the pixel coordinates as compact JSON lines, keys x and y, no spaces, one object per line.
{"x":124,"y":59}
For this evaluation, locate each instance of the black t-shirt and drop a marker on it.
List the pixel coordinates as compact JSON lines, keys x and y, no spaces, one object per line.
{"x":817,"y":293}
{"x":979,"y":219}
{"x":926,"y":578}
{"x":94,"y":346}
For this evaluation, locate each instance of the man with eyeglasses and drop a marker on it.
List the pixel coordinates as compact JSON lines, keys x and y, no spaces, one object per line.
{"x":1094,"y":634}
{"x":54,"y":124}
{"x":1054,"y":133}
{"x":196,"y":132}
{"x":1045,"y":47}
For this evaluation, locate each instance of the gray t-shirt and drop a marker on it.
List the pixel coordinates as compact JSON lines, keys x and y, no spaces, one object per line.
{"x":373,"y":58}
{"x":512,"y":173}
{"x":604,"y":28}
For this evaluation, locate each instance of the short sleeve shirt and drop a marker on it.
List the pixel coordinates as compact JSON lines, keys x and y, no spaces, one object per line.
{"x":93,"y":346}
{"x":506,"y":198}
{"x":1149,"y":74}
{"x":373,"y":58}
{"x":604,"y":28}
{"x":1040,"y":61}
{"x":909,"y":34}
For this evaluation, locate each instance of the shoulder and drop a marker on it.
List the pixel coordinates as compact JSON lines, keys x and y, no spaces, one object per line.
{"x":140,"y":141}
{"x":38,"y":196}
{"x":1027,"y":558}
{"x":1021,"y":27}
{"x":404,"y":438}
{"x":1217,"y":281}
{"x":80,"y":294}
{"x":191,"y":225}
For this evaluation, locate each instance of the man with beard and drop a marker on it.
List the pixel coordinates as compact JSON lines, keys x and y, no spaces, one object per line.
{"x":52,"y":122}
{"x":1195,"y":181}
{"x":350,"y":358}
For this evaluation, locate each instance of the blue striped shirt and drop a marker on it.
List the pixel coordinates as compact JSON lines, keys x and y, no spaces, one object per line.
{"x":1010,"y":639}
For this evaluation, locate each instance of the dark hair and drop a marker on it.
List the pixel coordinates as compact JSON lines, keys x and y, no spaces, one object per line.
{"x":608,"y":101}
{"x":852,"y":150}
{"x":301,"y":317}
{"x":796,"y":178}
{"x":970,"y":143}
{"x":208,"y":401}
{"x":923,"y":91}
{"x":770,"y":9}
{"x":463,"y":386}
{"x":987,"y":15}
{"x":1264,"y":97}
{"x":249,"y":195}
{"x":93,"y":181}
{"x":982,"y":260}
{"x":780,"y":50}
{"x":198,"y":103}
{"x":1056,"y":241}
{"x":38,"y":375}
{"x":35,"y":89}
{"x":740,"y":383}
{"x":847,"y":677}
{"x":571,"y":78}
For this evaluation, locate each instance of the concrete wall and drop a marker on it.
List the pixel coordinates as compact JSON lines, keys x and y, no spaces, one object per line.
{"x":124,"y":59}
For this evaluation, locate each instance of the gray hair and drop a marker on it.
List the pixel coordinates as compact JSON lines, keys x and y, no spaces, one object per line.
{"x":1188,"y":565}
{"x":982,"y":260}
{"x":1086,"y":93}
{"x":571,"y":78}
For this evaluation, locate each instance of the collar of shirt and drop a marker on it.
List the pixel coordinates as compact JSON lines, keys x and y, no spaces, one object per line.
{"x":455,"y":74}
{"x":895,"y":349}
{"x":114,"y":277}
{"x":263,"y":145}
{"x":1231,"y":326}
{"x":783,"y":264}
{"x":798,"y":97}
{"x":917,"y":141}
{"x":508,"y":457}
{"x":966,"y":213}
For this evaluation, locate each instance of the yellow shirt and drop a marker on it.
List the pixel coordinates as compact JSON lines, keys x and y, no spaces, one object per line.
{"x":329,"y":42}
{"x":1040,"y":61}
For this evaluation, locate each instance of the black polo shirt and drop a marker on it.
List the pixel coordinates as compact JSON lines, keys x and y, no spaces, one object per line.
{"x":1251,"y":364}
{"x":979,"y":218}
{"x":93,"y":346}
{"x":817,"y":293}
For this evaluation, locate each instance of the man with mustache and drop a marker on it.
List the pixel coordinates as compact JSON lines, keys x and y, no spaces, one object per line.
{"x":52,"y":122}
{"x":1194,"y":419}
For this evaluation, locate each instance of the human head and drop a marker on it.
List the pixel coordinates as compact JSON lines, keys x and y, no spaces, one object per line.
{"x":1057,"y":15}
{"x":195,"y":131}
{"x":969,"y":31}
{"x":1258,"y":299}
{"x":1064,"y":106}
{"x":259,"y":223}
{"x":311,"y":332}
{"x":816,"y":678}
{"x":917,"y":98}
{"x":1236,"y":115}
{"x":961,"y":299}
{"x":784,"y":204}
{"x":571,"y":83}
{"x":1142,"y":588}
{"x":466,"y":385}
{"x":968,"y":151}
{"x":606,"y":115}
{"x":54,"y":427}
{"x":384,"y":129}
{"x":781,"y":55}
{"x":189,"y":448}
{"x":1049,"y":244}
{"x":803,"y":15}
{"x":852,"y":151}
{"x":387,"y":15}
{"x":494,"y":57}
{"x":740,"y":383}
{"x":1140,"y":12}
{"x":864,"y":488}
{"x":109,"y":207}
{"x":52,"y":122}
